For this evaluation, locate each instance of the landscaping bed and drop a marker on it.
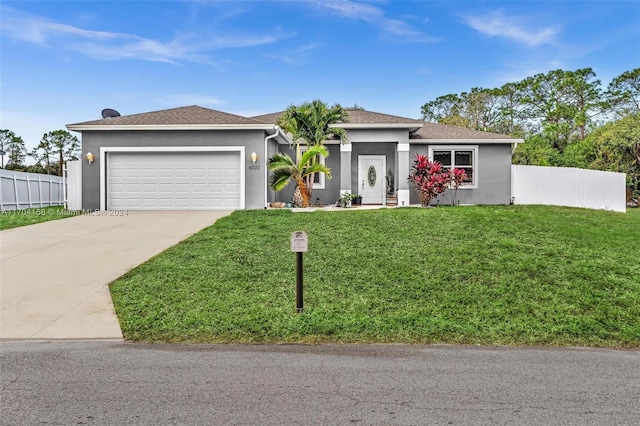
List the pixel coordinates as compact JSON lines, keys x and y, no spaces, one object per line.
{"x":491,"y":275}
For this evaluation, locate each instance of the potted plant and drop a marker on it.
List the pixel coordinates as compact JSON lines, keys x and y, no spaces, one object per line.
{"x":356,"y":199}
{"x":390,"y":183}
{"x":345,"y":199}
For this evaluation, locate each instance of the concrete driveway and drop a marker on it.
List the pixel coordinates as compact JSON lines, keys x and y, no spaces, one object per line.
{"x":54,"y":276}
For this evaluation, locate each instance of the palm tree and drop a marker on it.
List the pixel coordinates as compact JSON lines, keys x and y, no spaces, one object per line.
{"x":310,"y":124}
{"x":285,"y":170}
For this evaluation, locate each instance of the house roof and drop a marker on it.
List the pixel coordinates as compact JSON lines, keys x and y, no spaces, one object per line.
{"x":420,"y":130}
{"x":357,"y":118}
{"x":441,"y":132}
{"x":193,"y":117}
{"x":198,"y":118}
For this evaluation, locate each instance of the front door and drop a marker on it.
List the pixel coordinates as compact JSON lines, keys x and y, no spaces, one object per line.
{"x":371,"y":178}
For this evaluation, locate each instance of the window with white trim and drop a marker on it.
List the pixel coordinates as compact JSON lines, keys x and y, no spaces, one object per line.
{"x":318,"y":178}
{"x":463,"y":157}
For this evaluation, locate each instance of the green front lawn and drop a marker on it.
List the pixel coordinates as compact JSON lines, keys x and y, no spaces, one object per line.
{"x":508,"y":275}
{"x":16,"y":218}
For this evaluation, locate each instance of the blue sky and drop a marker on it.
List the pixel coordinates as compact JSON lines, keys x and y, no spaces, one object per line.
{"x":63,"y":62}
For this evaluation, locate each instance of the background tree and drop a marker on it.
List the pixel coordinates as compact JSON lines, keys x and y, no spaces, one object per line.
{"x":623,"y":93}
{"x":584,"y":97}
{"x":480,"y":108}
{"x":15,"y":149}
{"x":55,"y":149}
{"x":443,"y":107}
{"x":556,"y":113}
{"x":617,"y":148}
{"x":509,"y":108}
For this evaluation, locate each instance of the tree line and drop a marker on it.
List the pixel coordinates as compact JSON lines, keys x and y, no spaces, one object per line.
{"x":567,"y":118}
{"x":53,"y":150}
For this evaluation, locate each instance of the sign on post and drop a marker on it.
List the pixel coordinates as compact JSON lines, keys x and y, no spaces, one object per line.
{"x":299,"y":245}
{"x":299,"y":242}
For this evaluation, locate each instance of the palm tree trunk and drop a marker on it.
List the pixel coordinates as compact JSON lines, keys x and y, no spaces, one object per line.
{"x":310,"y":179}
{"x":304,"y":192}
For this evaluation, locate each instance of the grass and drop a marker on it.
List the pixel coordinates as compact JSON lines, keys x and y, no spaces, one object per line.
{"x":16,"y":218}
{"x":507,"y":275}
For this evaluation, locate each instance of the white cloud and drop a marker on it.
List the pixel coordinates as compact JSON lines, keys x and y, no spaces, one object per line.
{"x":398,"y":30}
{"x":497,"y":24}
{"x":116,"y":46}
{"x":286,"y":59}
{"x":351,"y":9}
{"x":405,"y":31}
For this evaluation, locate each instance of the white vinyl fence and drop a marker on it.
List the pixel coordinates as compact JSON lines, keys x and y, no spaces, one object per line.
{"x":19,"y":190}
{"x":565,"y":186}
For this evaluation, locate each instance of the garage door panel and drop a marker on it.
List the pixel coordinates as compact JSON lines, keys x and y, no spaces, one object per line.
{"x":150,"y":172}
{"x":180,"y":188}
{"x":199,"y":188}
{"x":167,"y":180}
{"x":199,"y":172}
{"x":165,"y":187}
{"x":182,"y":172}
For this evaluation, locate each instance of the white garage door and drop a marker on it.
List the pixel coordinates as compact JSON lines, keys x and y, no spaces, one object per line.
{"x":173,"y":181}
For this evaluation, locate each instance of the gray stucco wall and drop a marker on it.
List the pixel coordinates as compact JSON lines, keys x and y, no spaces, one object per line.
{"x":253,"y":140}
{"x":494,"y":176}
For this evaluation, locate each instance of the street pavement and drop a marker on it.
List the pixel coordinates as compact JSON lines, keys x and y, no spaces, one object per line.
{"x":116,"y":383}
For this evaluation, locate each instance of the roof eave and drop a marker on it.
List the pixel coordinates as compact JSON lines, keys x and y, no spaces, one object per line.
{"x":120,"y":127}
{"x":466,"y":141}
{"x":412,"y":127}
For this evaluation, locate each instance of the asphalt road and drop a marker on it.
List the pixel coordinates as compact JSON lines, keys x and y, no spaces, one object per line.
{"x":107,"y":383}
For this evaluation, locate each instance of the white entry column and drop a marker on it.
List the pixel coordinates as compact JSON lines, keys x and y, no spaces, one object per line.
{"x":345,"y":168}
{"x":404,"y":163}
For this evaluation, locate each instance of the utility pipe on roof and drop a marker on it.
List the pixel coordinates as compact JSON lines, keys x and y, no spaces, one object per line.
{"x":266,"y":177}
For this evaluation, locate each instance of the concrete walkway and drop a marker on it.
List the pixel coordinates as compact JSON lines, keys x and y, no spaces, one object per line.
{"x":54,"y":276}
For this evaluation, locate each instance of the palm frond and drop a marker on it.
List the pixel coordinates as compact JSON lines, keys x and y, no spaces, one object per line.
{"x":309,"y":155}
{"x":317,"y":168}
{"x":281,"y":178}
{"x":279,"y":160}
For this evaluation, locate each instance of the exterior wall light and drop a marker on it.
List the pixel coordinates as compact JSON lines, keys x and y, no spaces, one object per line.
{"x":254,"y":157}
{"x":90,"y":157}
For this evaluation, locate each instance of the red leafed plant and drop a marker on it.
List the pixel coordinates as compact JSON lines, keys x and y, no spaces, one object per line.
{"x":428,"y":178}
{"x":457,"y":178}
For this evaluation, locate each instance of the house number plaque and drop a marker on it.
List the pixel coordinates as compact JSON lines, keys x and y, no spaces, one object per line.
{"x":371,"y":174}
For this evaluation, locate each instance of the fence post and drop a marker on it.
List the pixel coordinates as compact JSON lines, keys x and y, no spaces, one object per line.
{"x":29,"y":192}
{"x":64,"y":186}
{"x":15,"y":189}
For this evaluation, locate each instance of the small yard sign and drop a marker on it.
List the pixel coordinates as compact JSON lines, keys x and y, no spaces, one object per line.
{"x":299,"y":242}
{"x":299,"y":245}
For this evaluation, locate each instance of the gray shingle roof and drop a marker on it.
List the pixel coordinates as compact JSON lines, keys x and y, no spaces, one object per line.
{"x":175,"y":116}
{"x":427,"y":130}
{"x":355,"y":116}
{"x":196,"y":115}
{"x":442,"y":131}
